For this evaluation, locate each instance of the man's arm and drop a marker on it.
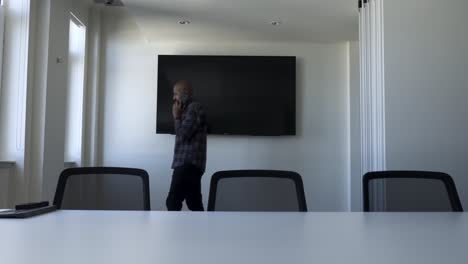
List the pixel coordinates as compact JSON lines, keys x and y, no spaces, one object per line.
{"x":187,"y":127}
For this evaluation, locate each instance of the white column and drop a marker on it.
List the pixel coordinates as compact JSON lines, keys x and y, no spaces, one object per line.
{"x":372,"y":92}
{"x":91,"y":122}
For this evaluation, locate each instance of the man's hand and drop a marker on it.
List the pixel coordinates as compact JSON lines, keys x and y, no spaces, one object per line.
{"x":177,"y":110}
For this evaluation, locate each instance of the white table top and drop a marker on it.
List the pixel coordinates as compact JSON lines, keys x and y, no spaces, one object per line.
{"x":237,"y":238}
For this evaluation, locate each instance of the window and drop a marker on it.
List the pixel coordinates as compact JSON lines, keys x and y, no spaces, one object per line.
{"x":75,"y":91}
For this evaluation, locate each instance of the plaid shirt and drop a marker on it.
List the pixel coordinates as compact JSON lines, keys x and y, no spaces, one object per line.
{"x":190,"y":144}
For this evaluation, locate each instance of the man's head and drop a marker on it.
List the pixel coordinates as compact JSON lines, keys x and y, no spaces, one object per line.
{"x":182,"y":92}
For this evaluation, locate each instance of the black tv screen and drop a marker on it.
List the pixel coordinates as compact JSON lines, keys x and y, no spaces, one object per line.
{"x":241,"y":95}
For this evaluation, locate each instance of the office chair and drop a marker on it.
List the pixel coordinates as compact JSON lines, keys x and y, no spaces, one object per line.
{"x":103,"y":188}
{"x":257,"y":190}
{"x":410,"y":191}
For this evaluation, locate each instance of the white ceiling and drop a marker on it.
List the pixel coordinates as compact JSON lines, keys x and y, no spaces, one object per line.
{"x":320,"y":21}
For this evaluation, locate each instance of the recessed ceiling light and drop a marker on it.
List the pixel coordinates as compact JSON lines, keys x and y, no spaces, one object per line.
{"x":184,"y":22}
{"x":276,"y":23}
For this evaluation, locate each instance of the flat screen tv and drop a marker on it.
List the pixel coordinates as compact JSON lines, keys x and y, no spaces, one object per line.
{"x":241,"y":95}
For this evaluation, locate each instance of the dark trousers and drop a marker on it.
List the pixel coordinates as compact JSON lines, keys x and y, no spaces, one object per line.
{"x":185,"y":185}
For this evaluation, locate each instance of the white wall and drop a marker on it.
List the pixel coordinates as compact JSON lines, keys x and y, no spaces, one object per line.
{"x":320,"y":151}
{"x":6,"y":171}
{"x":355,"y":128}
{"x":55,"y":107}
{"x":39,"y":49}
{"x":426,"y":68}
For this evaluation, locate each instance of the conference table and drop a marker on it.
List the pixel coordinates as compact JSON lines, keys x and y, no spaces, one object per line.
{"x":116,"y":237}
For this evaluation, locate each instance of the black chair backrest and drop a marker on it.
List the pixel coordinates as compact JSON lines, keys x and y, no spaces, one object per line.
{"x":103,"y":188}
{"x":410,"y":191}
{"x":257,"y":190}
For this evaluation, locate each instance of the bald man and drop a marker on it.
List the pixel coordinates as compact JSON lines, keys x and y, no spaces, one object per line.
{"x":190,"y":150}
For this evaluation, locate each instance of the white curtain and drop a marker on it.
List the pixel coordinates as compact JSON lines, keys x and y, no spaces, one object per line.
{"x":2,"y":27}
{"x":371,"y":25}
